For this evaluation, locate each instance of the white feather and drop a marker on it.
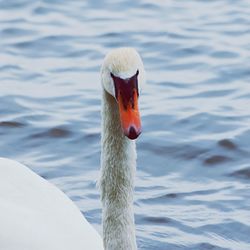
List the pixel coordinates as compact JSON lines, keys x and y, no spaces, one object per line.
{"x":35,"y":215}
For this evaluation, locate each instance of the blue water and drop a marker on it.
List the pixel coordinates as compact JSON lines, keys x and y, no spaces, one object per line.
{"x":193,"y":176}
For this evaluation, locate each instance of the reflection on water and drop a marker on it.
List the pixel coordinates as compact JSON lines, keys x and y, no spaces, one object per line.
{"x":192,"y":186}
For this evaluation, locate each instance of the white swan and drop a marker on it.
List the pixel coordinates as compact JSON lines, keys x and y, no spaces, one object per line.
{"x":35,"y":215}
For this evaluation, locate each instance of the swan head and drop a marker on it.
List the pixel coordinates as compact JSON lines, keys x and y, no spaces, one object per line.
{"x":122,"y":76}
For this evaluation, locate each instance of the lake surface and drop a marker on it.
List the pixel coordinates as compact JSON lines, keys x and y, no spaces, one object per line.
{"x":193,"y":179}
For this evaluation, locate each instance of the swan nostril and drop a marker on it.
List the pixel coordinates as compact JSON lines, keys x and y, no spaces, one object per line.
{"x":132,"y":133}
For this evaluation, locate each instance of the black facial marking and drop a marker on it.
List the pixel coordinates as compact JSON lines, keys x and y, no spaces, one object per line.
{"x":126,"y":88}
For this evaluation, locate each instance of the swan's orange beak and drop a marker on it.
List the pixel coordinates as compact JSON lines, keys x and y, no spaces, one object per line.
{"x":130,"y":116}
{"x":126,"y":93}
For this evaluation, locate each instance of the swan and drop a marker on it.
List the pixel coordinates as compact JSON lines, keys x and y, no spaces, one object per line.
{"x":35,"y":215}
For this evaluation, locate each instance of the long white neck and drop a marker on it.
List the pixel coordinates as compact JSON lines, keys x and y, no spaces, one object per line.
{"x":118,"y":163}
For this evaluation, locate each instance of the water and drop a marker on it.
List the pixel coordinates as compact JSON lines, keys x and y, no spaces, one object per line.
{"x":192,"y":185}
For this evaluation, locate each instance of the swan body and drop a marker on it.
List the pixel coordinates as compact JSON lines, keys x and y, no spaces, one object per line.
{"x":35,"y":215}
